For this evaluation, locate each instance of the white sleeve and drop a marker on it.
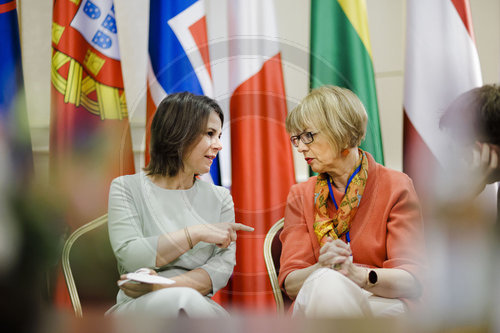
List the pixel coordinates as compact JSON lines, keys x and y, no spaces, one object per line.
{"x":131,"y":248}
{"x":220,"y":265}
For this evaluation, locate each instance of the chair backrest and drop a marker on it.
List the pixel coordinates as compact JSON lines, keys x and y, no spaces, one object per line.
{"x":272,"y":254}
{"x":91,"y":277}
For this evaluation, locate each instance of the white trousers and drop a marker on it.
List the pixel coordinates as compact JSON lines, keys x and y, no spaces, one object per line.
{"x":169,"y":303}
{"x":328,"y":293}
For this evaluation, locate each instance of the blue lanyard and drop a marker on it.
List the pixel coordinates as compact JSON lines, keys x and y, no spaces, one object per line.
{"x":346,"y":187}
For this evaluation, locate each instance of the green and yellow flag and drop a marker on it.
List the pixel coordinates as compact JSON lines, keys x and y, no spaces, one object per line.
{"x":341,"y":55}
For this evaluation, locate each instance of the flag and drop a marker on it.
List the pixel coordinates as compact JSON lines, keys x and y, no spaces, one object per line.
{"x":179,"y":57}
{"x":441,"y":63}
{"x":90,"y":141}
{"x":89,"y":119}
{"x":261,"y":156}
{"x":13,"y":116}
{"x":341,"y":55}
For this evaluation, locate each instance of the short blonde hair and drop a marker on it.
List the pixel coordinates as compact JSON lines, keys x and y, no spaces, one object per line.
{"x":335,"y":111}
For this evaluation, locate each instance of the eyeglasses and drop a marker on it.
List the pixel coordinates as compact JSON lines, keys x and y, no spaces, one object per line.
{"x":305,"y":137}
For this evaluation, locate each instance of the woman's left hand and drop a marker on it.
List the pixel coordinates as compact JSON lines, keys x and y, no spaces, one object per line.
{"x":336,"y":254}
{"x":137,"y":289}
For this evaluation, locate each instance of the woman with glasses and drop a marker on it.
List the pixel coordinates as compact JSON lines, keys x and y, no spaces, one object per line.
{"x":165,"y":222}
{"x":353,"y":235}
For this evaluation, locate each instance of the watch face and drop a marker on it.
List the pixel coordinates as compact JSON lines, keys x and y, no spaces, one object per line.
{"x":372,"y":277}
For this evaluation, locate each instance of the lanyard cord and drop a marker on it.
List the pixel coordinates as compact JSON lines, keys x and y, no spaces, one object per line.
{"x":330,"y":190}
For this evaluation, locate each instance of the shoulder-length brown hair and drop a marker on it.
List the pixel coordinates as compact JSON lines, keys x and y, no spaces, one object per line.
{"x":179,"y":121}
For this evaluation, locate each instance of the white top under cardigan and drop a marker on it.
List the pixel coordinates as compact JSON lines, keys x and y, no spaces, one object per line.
{"x":140,"y":211}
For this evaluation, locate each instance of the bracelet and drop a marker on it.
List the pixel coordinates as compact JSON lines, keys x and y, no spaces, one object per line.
{"x":188,"y":237}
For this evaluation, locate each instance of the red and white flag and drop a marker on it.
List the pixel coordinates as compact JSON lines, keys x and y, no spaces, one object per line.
{"x":441,"y":63}
{"x":261,"y":156}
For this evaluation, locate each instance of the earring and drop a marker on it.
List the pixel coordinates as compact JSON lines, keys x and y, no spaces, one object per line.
{"x":344,"y":152}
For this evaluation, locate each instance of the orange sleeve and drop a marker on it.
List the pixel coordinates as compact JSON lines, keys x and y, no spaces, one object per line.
{"x":405,"y":233}
{"x":297,"y":250}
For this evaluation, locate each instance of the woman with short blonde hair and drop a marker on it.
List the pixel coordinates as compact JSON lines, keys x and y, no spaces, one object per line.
{"x":353,"y":235}
{"x":345,"y":128}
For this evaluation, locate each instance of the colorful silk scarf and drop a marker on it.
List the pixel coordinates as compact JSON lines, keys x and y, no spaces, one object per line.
{"x":335,"y":227}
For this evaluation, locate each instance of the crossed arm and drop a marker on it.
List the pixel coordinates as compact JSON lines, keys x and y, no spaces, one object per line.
{"x":174,"y":244}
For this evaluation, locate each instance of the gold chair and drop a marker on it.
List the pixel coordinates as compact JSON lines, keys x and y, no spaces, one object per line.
{"x":94,"y":265}
{"x":272,"y":253}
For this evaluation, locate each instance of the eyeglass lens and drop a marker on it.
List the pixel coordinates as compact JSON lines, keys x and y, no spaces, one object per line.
{"x":306,"y":138}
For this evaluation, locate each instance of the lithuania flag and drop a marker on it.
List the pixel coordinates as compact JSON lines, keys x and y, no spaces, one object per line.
{"x":341,"y":55}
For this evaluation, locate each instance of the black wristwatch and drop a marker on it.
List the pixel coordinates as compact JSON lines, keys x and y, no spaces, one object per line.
{"x":372,"y":277}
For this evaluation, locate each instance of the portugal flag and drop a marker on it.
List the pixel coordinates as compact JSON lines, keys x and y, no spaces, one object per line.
{"x":90,"y":141}
{"x":341,"y":55}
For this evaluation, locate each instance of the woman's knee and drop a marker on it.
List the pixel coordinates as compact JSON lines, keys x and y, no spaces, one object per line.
{"x":178,"y":295}
{"x":327,"y":292}
{"x":170,"y":300}
{"x":326,"y":280}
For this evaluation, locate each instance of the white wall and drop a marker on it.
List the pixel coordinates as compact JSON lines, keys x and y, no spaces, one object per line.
{"x":387,"y":31}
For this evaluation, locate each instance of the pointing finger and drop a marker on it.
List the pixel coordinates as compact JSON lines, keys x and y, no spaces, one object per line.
{"x":242,"y":227}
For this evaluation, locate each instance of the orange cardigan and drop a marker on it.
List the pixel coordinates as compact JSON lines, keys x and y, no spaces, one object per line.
{"x":386,"y":232}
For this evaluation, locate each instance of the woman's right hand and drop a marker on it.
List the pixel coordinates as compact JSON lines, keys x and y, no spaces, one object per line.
{"x":220,"y":234}
{"x":137,"y":289}
{"x":336,"y":254}
{"x":333,"y":252}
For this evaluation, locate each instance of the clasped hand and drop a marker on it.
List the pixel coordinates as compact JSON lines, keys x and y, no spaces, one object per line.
{"x":336,"y":254}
